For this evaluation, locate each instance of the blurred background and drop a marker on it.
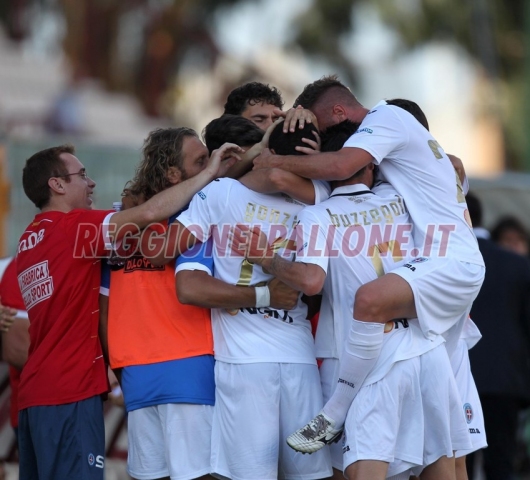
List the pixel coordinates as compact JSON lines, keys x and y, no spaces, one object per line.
{"x":102,"y":73}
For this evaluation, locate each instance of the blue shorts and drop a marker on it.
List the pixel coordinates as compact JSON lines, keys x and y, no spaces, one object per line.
{"x":62,"y":442}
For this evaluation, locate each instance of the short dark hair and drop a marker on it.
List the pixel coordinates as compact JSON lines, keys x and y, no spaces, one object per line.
{"x":39,"y":168}
{"x":251,"y":94}
{"x":286,"y":143}
{"x":412,"y":107}
{"x":233,"y":129}
{"x":162,"y":149}
{"x":314,"y":91}
{"x":334,"y":137}
{"x":508,"y":223}
{"x":474,"y":208}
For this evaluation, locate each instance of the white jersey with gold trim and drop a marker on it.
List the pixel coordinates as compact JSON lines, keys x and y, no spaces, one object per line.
{"x":356,"y":236}
{"x":250,"y":335}
{"x":417,"y":167}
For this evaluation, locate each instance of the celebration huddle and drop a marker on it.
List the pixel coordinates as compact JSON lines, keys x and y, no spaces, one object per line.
{"x":284,"y":295}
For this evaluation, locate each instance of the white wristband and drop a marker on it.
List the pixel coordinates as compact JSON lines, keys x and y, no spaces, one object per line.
{"x":263,"y":296}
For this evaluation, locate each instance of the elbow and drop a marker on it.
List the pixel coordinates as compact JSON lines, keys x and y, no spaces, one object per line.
{"x":185,"y":297}
{"x":277,"y":179}
{"x":311,"y":286}
{"x":187,"y":292}
{"x":149,"y":215}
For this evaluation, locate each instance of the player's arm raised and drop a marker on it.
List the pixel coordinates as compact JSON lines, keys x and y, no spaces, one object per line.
{"x":166,"y":203}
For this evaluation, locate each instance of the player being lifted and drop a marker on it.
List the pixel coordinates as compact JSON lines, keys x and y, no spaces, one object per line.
{"x":447,"y":275}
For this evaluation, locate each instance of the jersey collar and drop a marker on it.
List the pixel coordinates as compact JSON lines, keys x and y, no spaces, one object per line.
{"x":351,"y":190}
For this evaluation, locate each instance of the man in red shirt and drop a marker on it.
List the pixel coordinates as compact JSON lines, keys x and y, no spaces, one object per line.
{"x":61,"y":428}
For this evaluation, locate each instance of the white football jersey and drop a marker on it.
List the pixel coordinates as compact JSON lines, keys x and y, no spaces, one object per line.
{"x":416,"y":165}
{"x":322,"y":190}
{"x":356,"y":236}
{"x":250,"y":335}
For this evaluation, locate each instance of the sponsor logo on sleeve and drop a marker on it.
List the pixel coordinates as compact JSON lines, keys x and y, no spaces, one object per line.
{"x":419,"y":260}
{"x":365,"y":130}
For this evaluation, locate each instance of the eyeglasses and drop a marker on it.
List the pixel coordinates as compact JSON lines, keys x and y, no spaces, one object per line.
{"x":82,"y":173}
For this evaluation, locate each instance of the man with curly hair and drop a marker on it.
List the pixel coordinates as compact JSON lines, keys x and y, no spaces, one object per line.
{"x":164,"y":347}
{"x":256,"y":101}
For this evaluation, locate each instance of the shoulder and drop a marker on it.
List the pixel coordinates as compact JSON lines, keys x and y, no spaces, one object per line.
{"x":314,"y":211}
{"x":85,"y":216}
{"x":384,"y":189}
{"x":218,"y":187}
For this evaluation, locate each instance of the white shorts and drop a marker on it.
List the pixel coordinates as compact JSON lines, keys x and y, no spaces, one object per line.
{"x":170,"y":440}
{"x":444,"y":289}
{"x":257,"y":405}
{"x":446,"y":429}
{"x":385,"y":420}
{"x":410,"y":418}
{"x":470,"y":399}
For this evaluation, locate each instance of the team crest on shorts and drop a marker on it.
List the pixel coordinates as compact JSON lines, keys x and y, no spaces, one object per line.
{"x":91,"y":459}
{"x":419,"y":260}
{"x":468,"y":411}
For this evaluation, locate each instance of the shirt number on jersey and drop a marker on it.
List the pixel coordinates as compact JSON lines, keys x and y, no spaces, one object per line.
{"x":435,"y":148}
{"x":245,"y":275}
{"x":460,"y":197}
{"x":392,"y":247}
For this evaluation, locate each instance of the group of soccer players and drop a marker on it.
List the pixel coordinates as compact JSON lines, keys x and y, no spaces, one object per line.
{"x":361,"y":206}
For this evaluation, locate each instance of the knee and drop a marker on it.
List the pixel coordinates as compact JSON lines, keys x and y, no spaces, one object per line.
{"x":367,"y":305}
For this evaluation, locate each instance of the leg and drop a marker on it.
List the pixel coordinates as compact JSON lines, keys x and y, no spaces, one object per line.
{"x":187,"y":438}
{"x":337,"y":475}
{"x":254,"y":410}
{"x":296,"y":407}
{"x":460,"y":467}
{"x":27,"y":456}
{"x":442,"y":469}
{"x":68,"y":440}
{"x":367,"y":470}
{"x":146,"y":452}
{"x":401,"y":476}
{"x":376,"y":302}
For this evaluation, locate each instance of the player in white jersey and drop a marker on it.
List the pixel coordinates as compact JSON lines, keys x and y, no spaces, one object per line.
{"x":347,"y":241}
{"x":440,"y":288}
{"x":265,"y":358}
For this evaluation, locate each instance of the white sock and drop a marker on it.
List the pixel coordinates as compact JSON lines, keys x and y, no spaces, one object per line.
{"x":360,"y":354}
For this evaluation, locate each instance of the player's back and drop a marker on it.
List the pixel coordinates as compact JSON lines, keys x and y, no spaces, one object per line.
{"x":364,"y":235}
{"x":254,"y":334}
{"x":414,"y":163}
